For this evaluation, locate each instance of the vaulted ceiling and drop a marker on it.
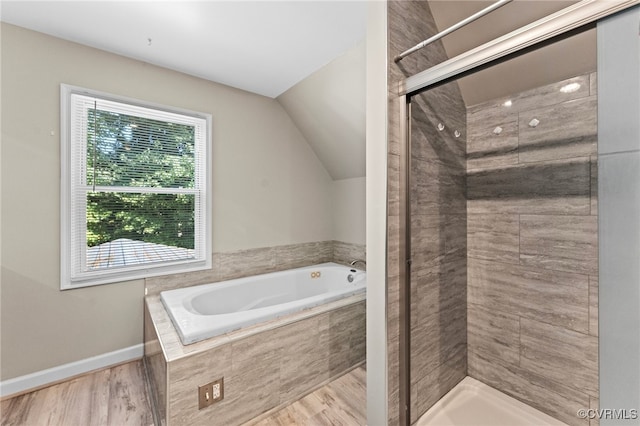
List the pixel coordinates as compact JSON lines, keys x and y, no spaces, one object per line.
{"x":307,"y":54}
{"x":567,"y":58}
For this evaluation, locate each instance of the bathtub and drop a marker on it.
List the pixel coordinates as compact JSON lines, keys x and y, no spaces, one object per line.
{"x":208,"y":310}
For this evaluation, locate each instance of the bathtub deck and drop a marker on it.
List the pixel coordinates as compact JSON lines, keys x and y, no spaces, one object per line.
{"x":298,"y":353}
{"x":472,"y":403}
{"x":174,"y":349}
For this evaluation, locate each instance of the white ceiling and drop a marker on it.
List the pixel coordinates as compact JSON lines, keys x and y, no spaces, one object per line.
{"x":329,"y":109}
{"x":263,"y":47}
{"x":568,"y":58}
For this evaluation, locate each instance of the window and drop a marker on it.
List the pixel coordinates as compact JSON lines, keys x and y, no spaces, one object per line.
{"x":136,"y":189}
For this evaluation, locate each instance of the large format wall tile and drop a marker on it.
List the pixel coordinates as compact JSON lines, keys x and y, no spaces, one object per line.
{"x":492,"y":141}
{"x":565,"y":130}
{"x":436,"y":188}
{"x":430,"y":388}
{"x":493,"y":332}
{"x":438,"y":246}
{"x":265,"y":370}
{"x":548,"y":396}
{"x":438,"y":211}
{"x":561,"y":355}
{"x":439,"y":288}
{"x":536,"y":98}
{"x":435,"y":338}
{"x":563,"y":243}
{"x":593,"y":305}
{"x":594,"y":184}
{"x":532,"y":247}
{"x":552,"y":187}
{"x":554,"y":297}
{"x":297,"y":374}
{"x":345,"y":253}
{"x":494,"y":237}
{"x":256,"y":261}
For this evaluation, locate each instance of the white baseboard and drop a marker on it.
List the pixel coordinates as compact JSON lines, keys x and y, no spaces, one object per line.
{"x":60,"y":373}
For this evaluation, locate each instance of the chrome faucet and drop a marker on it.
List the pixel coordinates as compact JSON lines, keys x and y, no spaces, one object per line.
{"x":353,"y":263}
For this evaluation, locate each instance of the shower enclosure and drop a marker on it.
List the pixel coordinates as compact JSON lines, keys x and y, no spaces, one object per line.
{"x":493,"y":265}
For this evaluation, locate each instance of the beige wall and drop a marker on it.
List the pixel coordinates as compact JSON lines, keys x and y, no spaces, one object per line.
{"x":349,"y":210}
{"x":329,"y":109}
{"x":269,"y":189}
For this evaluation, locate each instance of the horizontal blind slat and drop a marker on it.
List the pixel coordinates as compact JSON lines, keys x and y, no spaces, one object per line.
{"x":138,"y":180}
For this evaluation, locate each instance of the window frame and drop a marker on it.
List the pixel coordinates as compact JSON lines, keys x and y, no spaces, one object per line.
{"x":70,"y":278}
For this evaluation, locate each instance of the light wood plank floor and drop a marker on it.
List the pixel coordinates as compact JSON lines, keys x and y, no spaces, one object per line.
{"x":342,"y":402}
{"x":117,"y":397}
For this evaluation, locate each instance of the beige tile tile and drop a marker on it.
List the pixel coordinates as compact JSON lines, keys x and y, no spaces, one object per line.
{"x":298,"y":255}
{"x":155,"y":285}
{"x":565,"y":130}
{"x":539,"y":97}
{"x":561,"y":355}
{"x":186,"y":375}
{"x":593,"y":305}
{"x":550,"y":187}
{"x":486,"y":149}
{"x":344,"y":253}
{"x":156,"y":368}
{"x":437,"y":189}
{"x":594,"y":404}
{"x":393,"y":182}
{"x":439,"y":381}
{"x":252,"y":387}
{"x":304,"y":358}
{"x":493,"y":333}
{"x":344,"y":335}
{"x":428,"y":142}
{"x":593,"y":83}
{"x":494,"y":237}
{"x":594,"y":184}
{"x":428,"y":240}
{"x":436,"y":338}
{"x":393,"y":246}
{"x":563,"y":243}
{"x":554,"y":297}
{"x":548,"y":396}
{"x":244,"y":263}
{"x":455,"y":237}
{"x":440,"y":287}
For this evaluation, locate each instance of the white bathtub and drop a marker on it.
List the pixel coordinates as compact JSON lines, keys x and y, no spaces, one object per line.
{"x":208,"y":310}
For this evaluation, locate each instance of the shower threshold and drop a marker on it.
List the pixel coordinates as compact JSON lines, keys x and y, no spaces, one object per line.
{"x":472,"y":403}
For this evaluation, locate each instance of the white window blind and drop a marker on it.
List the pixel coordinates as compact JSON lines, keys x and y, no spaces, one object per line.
{"x":136,"y":190}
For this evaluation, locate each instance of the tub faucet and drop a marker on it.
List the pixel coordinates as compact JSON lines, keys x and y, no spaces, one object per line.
{"x":353,"y":263}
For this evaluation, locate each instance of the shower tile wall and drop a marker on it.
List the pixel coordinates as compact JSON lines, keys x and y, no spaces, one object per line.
{"x":532,"y":247}
{"x":438,"y":323}
{"x":438,"y":246}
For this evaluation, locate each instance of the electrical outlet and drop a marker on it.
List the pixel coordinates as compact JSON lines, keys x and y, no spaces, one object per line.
{"x":210,"y":393}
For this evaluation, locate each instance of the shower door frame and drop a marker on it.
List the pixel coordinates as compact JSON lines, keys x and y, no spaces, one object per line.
{"x":563,"y":23}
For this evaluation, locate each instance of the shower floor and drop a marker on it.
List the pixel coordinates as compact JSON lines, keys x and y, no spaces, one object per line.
{"x":472,"y":403}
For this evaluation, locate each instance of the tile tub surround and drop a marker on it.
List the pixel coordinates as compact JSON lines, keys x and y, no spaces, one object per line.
{"x":245,"y":263}
{"x":265,"y":366}
{"x":532,"y":247}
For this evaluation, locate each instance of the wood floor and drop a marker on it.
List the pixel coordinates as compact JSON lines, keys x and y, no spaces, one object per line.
{"x":117,"y":397}
{"x":339,"y":403}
